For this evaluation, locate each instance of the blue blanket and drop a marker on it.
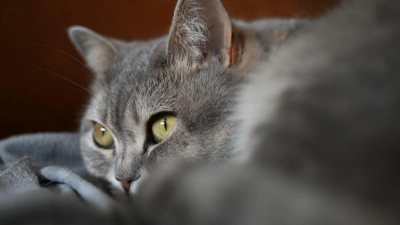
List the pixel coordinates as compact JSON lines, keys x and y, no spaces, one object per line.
{"x":43,"y":180}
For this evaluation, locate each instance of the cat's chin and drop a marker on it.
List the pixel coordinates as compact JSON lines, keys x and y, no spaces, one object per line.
{"x":135,"y":186}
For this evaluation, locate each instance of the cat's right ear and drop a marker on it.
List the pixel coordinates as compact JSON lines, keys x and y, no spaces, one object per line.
{"x":97,"y":50}
{"x":201,"y":30}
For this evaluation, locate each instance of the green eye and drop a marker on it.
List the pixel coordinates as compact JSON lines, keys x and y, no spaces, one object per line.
{"x":102,"y":136}
{"x":162,"y":126}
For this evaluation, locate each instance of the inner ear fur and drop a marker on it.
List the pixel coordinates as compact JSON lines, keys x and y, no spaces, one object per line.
{"x":201,"y":31}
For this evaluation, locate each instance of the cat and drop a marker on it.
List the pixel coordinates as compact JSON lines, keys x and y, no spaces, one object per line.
{"x":171,"y":96}
{"x":321,"y":134}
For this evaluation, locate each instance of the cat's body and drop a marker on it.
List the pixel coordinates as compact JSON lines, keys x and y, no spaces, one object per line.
{"x":192,"y":74}
{"x":321,"y":130}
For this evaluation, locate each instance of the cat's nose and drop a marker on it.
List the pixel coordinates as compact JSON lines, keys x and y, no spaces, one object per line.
{"x":126,"y":182}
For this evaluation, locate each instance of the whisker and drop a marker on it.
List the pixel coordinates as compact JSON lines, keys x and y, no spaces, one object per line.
{"x":58,"y":76}
{"x":57,"y":106}
{"x":79,"y":110}
{"x":48,"y":183}
{"x":13,"y":39}
{"x":58,"y":50}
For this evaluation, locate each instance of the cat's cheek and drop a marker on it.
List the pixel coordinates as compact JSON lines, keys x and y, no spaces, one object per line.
{"x":158,"y":158}
{"x":109,"y":154}
{"x":150,"y":150}
{"x":111,"y":178}
{"x":137,"y":183}
{"x":151,"y":159}
{"x":97,"y":161}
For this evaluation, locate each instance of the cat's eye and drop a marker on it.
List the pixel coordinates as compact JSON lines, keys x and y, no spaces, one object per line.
{"x":102,"y":136}
{"x":162,"y":126}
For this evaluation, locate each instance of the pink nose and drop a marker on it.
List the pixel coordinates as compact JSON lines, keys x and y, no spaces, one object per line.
{"x":126,"y":183}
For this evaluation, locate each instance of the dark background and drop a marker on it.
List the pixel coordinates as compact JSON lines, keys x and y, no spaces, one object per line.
{"x":33,"y":39}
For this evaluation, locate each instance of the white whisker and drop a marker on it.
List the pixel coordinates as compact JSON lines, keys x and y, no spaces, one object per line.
{"x":58,"y":76}
{"x":77,"y":60}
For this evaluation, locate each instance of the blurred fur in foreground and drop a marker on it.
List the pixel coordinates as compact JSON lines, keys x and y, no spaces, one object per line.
{"x":320,"y":128}
{"x":322,"y":134}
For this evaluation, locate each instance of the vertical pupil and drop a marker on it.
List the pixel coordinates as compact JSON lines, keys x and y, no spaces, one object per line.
{"x":165,"y":123}
{"x":103,"y":130}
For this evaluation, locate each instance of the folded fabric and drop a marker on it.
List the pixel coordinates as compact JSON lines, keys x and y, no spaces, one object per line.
{"x":40,"y":181}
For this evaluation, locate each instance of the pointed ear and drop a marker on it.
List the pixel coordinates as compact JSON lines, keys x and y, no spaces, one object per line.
{"x":201,"y":30}
{"x":95,"y":49}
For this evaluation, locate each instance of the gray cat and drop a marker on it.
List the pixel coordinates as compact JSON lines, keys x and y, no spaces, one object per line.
{"x":321,"y":131}
{"x":172,"y":96}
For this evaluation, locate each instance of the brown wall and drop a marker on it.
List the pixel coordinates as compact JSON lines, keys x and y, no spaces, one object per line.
{"x":34,"y":99}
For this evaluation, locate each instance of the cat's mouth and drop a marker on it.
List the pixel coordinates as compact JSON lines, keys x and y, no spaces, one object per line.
{"x":134,"y":187}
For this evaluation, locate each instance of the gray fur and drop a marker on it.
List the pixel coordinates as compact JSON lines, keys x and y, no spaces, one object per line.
{"x":322,"y":134}
{"x":201,"y":30}
{"x":141,"y":81}
{"x":332,"y":117}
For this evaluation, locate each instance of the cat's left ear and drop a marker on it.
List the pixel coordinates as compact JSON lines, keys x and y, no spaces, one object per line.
{"x":201,"y":30}
{"x":97,"y":50}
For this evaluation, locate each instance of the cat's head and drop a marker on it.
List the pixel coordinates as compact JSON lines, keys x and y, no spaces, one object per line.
{"x":164,"y":98}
